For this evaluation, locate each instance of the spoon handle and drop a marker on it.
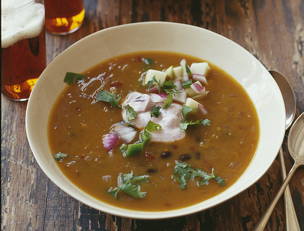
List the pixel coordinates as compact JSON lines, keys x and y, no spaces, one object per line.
{"x":292,"y":223}
{"x":265,"y":218}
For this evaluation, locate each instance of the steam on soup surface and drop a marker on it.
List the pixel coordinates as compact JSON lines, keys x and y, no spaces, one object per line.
{"x":153,"y":130}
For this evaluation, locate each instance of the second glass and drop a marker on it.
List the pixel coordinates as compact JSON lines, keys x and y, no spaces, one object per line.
{"x":63,"y":16}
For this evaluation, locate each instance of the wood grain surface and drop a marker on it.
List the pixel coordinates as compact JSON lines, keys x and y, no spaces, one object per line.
{"x":272,"y":30}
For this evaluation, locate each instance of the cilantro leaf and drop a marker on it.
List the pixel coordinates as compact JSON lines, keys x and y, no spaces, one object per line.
{"x":114,"y":192}
{"x":188,"y":70}
{"x":187,"y":84}
{"x":168,"y":101}
{"x":186,"y":110}
{"x":129,"y":184}
{"x":71,"y":77}
{"x":60,"y":156}
{"x":128,"y":150}
{"x":108,"y":97}
{"x":184,"y":125}
{"x":155,"y":111}
{"x":184,"y":172}
{"x":131,"y":114}
{"x":151,"y":126}
{"x":147,"y":61}
{"x":153,"y":83}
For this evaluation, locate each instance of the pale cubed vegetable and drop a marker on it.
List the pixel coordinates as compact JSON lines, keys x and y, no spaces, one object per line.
{"x":180,"y":96}
{"x":192,"y":103}
{"x":178,"y":72}
{"x":183,"y":64}
{"x":190,"y":92}
{"x":170,"y":73}
{"x":159,"y":76}
{"x":200,"y":68}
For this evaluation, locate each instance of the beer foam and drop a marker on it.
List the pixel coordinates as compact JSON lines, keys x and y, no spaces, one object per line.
{"x":20,"y":19}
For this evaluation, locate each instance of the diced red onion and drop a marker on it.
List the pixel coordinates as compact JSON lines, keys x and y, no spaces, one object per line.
{"x":200,"y":78}
{"x":198,"y":88}
{"x":153,"y":90}
{"x":110,"y":140}
{"x":163,"y":95}
{"x":202,"y":109}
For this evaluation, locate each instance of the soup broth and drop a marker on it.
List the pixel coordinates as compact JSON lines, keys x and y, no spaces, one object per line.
{"x":78,"y":124}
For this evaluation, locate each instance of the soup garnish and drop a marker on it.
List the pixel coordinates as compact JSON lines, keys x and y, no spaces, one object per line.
{"x":153,"y":130}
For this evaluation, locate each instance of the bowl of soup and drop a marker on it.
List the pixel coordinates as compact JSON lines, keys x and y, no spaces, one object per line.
{"x":155,"y":120}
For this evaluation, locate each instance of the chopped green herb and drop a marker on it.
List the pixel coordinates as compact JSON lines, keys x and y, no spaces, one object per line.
{"x":168,"y":101}
{"x":183,"y":172}
{"x":147,"y":61}
{"x":186,"y":110}
{"x":153,"y":83}
{"x":184,"y":125}
{"x":71,"y":77}
{"x":128,"y":150}
{"x":60,"y":156}
{"x":129,"y":184}
{"x":131,"y":149}
{"x":168,"y":84}
{"x":152,"y":127}
{"x":187,"y":84}
{"x":155,"y":111}
{"x":130,"y":113}
{"x":188,"y":70}
{"x":108,"y":97}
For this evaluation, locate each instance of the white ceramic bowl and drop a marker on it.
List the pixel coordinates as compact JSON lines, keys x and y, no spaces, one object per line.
{"x":162,"y":36}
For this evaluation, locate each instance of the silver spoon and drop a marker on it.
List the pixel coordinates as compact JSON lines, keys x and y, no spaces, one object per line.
{"x":292,"y":223}
{"x":296,"y":150}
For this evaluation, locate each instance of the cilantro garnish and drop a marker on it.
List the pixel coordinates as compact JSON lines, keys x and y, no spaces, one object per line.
{"x":155,"y":111}
{"x":60,"y":156}
{"x":147,"y":61}
{"x":183,"y":172}
{"x":130,"y":113}
{"x":129,"y":184}
{"x":71,"y":77}
{"x":137,"y":147}
{"x":152,"y":127}
{"x":184,"y":125}
{"x":144,"y":137}
{"x":168,"y":101}
{"x":153,"y":83}
{"x":188,"y":70}
{"x":187,"y":84}
{"x":108,"y":97}
{"x":186,"y":110}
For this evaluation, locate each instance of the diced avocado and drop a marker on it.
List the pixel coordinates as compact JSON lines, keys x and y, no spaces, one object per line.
{"x":192,"y":103}
{"x":159,"y":76}
{"x":178,"y":72}
{"x":200,"y":68}
{"x":169,"y":72}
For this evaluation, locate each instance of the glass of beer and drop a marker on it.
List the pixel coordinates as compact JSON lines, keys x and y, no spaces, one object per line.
{"x":23,"y":56}
{"x":63,"y":16}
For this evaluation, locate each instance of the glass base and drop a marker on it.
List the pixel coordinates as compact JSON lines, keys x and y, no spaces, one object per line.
{"x":66,"y":25}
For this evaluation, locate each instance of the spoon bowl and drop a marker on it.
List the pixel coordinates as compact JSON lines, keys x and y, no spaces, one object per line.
{"x":288,"y":96}
{"x":296,"y":140}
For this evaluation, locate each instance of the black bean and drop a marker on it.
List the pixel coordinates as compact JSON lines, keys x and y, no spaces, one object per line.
{"x":151,"y":170}
{"x":184,"y":157}
{"x":197,"y":155}
{"x":165,"y":155}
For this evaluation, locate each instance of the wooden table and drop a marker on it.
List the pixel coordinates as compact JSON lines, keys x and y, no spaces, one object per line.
{"x":272,"y":30}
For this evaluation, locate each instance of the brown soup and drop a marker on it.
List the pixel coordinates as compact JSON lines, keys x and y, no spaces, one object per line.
{"x":78,"y":124}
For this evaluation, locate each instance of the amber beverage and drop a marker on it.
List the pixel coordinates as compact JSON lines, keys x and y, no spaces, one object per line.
{"x":23,"y":55}
{"x":63,"y":16}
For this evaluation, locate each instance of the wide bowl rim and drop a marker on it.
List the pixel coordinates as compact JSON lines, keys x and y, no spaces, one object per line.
{"x":138,"y":214}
